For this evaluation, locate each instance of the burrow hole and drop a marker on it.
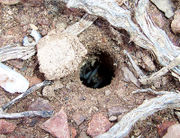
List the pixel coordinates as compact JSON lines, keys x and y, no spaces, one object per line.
{"x":97,"y":70}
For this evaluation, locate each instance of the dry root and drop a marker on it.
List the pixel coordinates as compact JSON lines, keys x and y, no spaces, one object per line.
{"x":149,"y":107}
{"x":151,"y":37}
{"x":16,"y":52}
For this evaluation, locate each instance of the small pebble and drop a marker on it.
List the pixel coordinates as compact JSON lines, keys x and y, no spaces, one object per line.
{"x":107,"y":92}
{"x":113,"y":118}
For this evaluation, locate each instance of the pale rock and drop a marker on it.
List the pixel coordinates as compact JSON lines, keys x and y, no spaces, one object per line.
{"x":116,"y":110}
{"x":48,"y":91}
{"x":149,"y":65}
{"x":11,"y":80}
{"x":129,"y":76}
{"x":145,"y":61}
{"x":3,"y":136}
{"x":59,"y":54}
{"x":107,"y":92}
{"x":166,"y":6}
{"x":175,"y":25}
{"x":9,"y":2}
{"x":113,"y":118}
{"x":173,"y":131}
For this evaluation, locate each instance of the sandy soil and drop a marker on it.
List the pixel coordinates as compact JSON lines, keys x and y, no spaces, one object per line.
{"x":74,"y":96}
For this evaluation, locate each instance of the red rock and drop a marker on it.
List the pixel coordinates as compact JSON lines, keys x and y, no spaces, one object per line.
{"x":57,"y":125}
{"x":33,"y":80}
{"x":162,"y":128}
{"x":73,"y":132}
{"x":40,"y":105}
{"x":98,"y":125}
{"x":78,"y":118}
{"x":173,"y":131}
{"x":6,"y":127}
{"x":175,"y":25}
{"x":116,"y":110}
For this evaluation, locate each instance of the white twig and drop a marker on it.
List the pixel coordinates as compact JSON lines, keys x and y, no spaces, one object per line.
{"x":26,"y":114}
{"x":149,"y":90}
{"x":29,"y":91}
{"x":136,"y":68}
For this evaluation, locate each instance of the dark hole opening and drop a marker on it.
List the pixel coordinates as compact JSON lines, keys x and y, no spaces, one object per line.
{"x":97,"y":71}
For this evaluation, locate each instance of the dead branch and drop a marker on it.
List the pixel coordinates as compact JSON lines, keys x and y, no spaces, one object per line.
{"x":162,"y":47}
{"x":16,"y":52}
{"x":149,"y":90}
{"x":152,"y":38}
{"x":29,"y":91}
{"x":27,"y":113}
{"x":149,"y":107}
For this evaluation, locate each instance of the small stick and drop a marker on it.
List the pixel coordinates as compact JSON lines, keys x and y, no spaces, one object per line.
{"x":26,"y":114}
{"x":136,"y":68}
{"x":29,"y":91}
{"x":149,"y":90}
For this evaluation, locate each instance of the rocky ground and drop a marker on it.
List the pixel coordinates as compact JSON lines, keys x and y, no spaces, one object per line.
{"x":82,"y":111}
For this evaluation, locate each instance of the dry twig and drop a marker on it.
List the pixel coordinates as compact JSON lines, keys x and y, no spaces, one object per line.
{"x":27,"y":113}
{"x":136,"y":68}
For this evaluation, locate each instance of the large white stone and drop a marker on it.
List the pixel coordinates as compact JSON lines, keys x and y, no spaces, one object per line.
{"x":59,"y":54}
{"x":12,"y":81}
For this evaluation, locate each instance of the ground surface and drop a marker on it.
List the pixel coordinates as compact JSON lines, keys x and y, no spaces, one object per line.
{"x":74,"y":96}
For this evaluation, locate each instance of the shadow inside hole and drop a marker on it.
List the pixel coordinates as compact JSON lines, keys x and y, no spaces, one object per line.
{"x":97,"y":71}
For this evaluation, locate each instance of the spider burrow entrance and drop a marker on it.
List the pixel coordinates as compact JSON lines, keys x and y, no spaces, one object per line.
{"x":97,"y":70}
